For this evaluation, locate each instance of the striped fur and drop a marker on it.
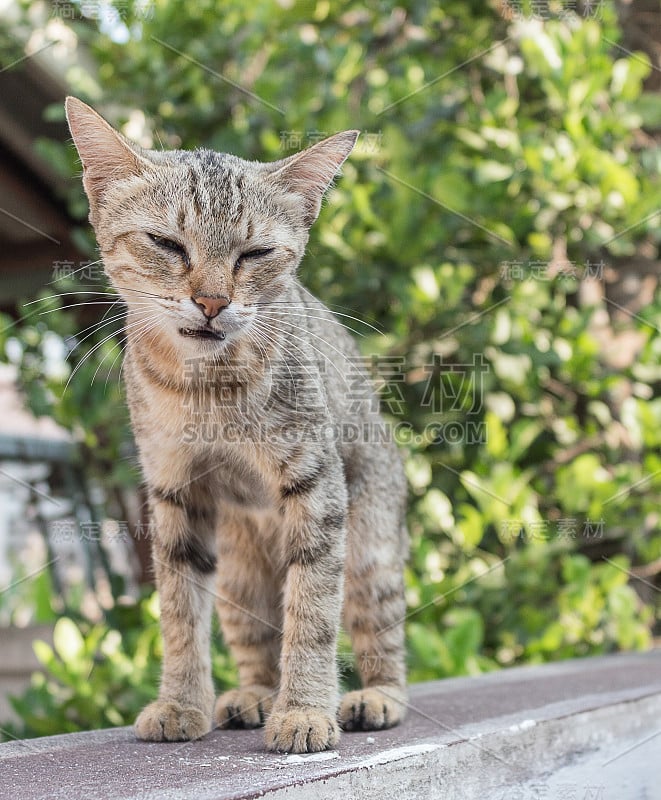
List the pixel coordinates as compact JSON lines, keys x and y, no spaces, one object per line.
{"x":291,"y":532}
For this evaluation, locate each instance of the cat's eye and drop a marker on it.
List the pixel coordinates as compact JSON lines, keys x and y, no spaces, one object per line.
{"x":169,"y":244}
{"x":250,"y":254}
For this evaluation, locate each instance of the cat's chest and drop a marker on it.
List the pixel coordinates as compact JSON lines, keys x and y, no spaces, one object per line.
{"x":238,"y":472}
{"x":223,"y":439}
{"x":238,"y":482}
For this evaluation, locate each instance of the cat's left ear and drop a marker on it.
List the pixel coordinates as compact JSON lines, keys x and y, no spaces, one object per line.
{"x":106,"y":155}
{"x":310,"y":172}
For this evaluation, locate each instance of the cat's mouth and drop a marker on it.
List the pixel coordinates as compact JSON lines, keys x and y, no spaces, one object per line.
{"x":203,"y":333}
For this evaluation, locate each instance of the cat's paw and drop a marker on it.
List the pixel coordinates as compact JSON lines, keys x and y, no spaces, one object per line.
{"x":301,"y":730}
{"x":372,"y":709}
{"x":168,"y":721}
{"x":244,"y":708}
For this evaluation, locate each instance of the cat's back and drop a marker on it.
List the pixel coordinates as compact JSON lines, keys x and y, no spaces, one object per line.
{"x":365,"y":440}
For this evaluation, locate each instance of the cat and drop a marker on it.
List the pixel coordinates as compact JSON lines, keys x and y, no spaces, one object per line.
{"x":307,"y":530}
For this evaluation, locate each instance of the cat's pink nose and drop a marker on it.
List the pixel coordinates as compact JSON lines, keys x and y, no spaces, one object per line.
{"x":211,"y":306}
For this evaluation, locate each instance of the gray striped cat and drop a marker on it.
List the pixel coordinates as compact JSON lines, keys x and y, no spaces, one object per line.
{"x":241,"y":388}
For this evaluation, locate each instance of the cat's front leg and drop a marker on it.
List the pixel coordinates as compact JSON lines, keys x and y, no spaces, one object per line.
{"x":184,"y":564}
{"x":314,"y":523}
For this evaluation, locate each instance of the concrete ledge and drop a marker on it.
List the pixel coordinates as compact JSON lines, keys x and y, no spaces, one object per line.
{"x":18,"y":662}
{"x":586,"y":730}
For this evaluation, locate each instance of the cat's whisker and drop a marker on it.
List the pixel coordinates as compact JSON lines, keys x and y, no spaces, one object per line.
{"x":333,"y":313}
{"x":84,"y":359}
{"x":301,"y":363}
{"x":80,"y":342}
{"x":272,"y":328}
{"x":100,"y":364}
{"x":99,"y":322}
{"x":316,"y":307}
{"x":113,"y":347}
{"x":146,"y":332}
{"x":32,"y":312}
{"x":330,"y":305}
{"x":108,"y":310}
{"x":140,"y":291}
{"x":136,"y":323}
{"x":95,"y":328}
{"x":307,"y":332}
{"x":87,"y":356}
{"x":120,"y":344}
{"x":309,"y":344}
{"x":75,"y":271}
{"x":77,"y":305}
{"x":253,"y":336}
{"x":310,"y":316}
{"x":147,"y":327}
{"x":258,"y":338}
{"x":67,"y":294}
{"x":98,"y":293}
{"x":137,"y":303}
{"x":262,"y":334}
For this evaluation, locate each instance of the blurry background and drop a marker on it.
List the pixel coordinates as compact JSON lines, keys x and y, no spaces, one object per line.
{"x":498,"y":222}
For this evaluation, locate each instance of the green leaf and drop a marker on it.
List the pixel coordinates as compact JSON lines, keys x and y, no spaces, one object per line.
{"x":68,"y":640}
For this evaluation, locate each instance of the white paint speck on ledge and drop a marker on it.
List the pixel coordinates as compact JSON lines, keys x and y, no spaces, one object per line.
{"x":522,"y":726}
{"x":398,"y":753}
{"x":325,"y":756}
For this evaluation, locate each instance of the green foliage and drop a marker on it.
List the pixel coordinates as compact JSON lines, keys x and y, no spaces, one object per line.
{"x":99,"y":675}
{"x":29,"y":596}
{"x":94,"y":676}
{"x":81,"y":396}
{"x":499,"y":164}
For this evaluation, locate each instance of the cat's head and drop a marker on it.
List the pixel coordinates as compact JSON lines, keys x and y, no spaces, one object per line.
{"x":195,"y":241}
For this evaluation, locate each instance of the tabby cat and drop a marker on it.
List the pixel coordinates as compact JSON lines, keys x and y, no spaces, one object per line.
{"x":242,"y":393}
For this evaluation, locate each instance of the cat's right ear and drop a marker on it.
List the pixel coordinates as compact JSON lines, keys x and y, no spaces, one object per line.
{"x":105,"y":154}
{"x":310,"y":172}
